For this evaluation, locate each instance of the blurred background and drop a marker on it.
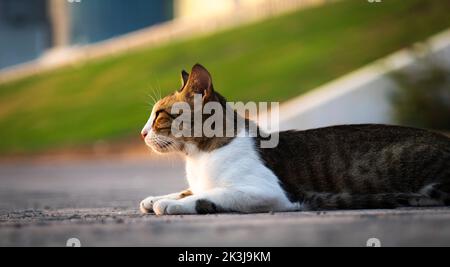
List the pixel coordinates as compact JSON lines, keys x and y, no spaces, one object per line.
{"x":78,"y":79}
{"x":83,"y":74}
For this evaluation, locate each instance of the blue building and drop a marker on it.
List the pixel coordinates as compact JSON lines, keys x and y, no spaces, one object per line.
{"x":24,"y":30}
{"x":30,"y":27}
{"x":97,"y":20}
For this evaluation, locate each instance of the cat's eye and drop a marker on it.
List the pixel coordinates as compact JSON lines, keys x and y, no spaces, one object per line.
{"x":157,"y":113}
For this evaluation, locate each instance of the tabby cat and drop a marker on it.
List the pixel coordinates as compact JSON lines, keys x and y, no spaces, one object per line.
{"x":341,"y":167}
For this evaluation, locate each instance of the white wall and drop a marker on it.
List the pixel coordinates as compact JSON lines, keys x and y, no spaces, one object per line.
{"x":360,"y":97}
{"x":365,"y":104}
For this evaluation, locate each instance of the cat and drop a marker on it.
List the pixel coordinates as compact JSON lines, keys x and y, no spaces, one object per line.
{"x":342,"y":167}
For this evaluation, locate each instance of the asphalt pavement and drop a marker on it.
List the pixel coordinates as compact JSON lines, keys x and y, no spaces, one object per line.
{"x":96,"y":202}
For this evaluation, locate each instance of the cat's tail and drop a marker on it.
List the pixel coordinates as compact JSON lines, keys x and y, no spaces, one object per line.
{"x":345,"y":201}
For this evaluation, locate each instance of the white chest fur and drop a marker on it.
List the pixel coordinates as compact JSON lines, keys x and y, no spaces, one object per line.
{"x":235,"y":165}
{"x":237,"y":168}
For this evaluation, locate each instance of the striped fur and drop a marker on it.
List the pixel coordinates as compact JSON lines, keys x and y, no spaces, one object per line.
{"x":362,"y":167}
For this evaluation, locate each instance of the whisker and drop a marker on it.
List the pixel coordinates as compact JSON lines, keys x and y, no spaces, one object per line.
{"x":160,"y":140}
{"x":154,"y":96}
{"x":153,"y":99}
{"x":157,"y":91}
{"x":159,"y":88}
{"x":147,"y":102}
{"x":151,"y":94}
{"x":169,"y":144}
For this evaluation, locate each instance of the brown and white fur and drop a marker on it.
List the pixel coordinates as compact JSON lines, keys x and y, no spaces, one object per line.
{"x":342,"y":167}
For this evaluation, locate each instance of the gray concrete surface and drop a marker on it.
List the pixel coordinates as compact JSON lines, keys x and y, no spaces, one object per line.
{"x":96,"y":202}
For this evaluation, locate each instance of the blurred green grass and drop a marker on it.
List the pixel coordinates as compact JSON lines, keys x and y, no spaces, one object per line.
{"x":274,"y":60}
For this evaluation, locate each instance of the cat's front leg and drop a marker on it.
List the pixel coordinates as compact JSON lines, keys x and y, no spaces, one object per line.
{"x":146,"y":205}
{"x":245,"y":200}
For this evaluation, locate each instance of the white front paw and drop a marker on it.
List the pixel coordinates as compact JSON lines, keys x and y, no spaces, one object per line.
{"x":172,"y":207}
{"x":161,"y":207}
{"x":146,"y":205}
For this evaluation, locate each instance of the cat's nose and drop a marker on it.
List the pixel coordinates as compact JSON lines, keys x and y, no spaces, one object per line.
{"x":144,"y":134}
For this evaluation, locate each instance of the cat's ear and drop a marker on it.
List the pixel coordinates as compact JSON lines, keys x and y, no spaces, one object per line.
{"x":184,"y":78}
{"x":199,"y":82}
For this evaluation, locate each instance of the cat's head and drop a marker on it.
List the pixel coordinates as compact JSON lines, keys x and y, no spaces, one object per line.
{"x":157,"y":132}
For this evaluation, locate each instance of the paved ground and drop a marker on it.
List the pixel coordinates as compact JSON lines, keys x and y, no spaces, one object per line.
{"x":96,"y":202}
